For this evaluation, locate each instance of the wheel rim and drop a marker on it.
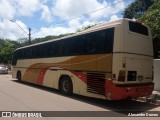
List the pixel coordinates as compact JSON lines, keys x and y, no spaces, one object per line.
{"x":66,"y":85}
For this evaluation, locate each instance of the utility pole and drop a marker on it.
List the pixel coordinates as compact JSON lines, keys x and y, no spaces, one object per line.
{"x":29,"y":42}
{"x":29,"y":34}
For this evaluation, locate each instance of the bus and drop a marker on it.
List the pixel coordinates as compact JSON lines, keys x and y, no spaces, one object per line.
{"x":112,"y":61}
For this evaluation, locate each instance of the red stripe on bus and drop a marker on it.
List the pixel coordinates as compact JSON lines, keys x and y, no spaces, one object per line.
{"x":41,"y":75}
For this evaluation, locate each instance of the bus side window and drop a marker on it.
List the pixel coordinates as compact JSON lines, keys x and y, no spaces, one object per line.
{"x":66,"y":47}
{"x":91,"y":43}
{"x":44,"y":51}
{"x":109,"y":39}
{"x":77,"y":45}
{"x":20,"y":54}
{"x":34,"y":52}
{"x":38,"y":51}
{"x":59,"y":48}
{"x":105,"y":40}
{"x":101,"y":42}
{"x":30,"y":53}
{"x":25,"y":53}
{"x":51,"y":49}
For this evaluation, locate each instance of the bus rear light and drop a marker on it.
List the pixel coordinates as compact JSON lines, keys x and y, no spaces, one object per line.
{"x":121,"y":76}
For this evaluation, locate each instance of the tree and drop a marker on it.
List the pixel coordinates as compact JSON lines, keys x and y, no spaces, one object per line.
{"x":137,"y":8}
{"x":152,"y":19}
{"x":6,"y":49}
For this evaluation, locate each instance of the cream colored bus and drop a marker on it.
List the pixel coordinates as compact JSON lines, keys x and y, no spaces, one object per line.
{"x":109,"y":61}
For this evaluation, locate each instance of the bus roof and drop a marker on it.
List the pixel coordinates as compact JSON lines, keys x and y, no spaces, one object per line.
{"x":97,"y":27}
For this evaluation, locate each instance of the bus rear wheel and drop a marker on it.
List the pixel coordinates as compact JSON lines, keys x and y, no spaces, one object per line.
{"x":66,"y":86}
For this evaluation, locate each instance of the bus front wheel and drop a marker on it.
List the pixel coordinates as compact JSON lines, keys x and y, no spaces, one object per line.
{"x":66,"y":86}
{"x":19,"y":76}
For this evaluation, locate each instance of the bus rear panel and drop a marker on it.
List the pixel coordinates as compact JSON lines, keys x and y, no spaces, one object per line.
{"x":132,"y":62}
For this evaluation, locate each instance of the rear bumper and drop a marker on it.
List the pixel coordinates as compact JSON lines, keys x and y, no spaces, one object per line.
{"x":119,"y":92}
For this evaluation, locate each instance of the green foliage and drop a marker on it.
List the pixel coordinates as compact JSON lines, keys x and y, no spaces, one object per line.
{"x":85,"y":28}
{"x":152,"y":19}
{"x":6,"y":49}
{"x":137,"y":8}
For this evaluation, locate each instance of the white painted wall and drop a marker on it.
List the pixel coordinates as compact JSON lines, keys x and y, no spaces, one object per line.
{"x":157,"y":74}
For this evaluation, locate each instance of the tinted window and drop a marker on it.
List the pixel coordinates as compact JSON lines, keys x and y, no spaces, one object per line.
{"x":51,"y":49}
{"x":36,"y":51}
{"x":19,"y":54}
{"x":59,"y":48}
{"x":91,"y":42}
{"x":109,"y":40}
{"x":105,"y":40}
{"x":67,"y":47}
{"x":29,"y":53}
{"x":101,"y":41}
{"x":138,"y":28}
{"x":77,"y":45}
{"x":44,"y":50}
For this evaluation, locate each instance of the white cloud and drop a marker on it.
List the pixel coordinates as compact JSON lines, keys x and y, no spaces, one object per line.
{"x":27,"y":7}
{"x":74,"y":25}
{"x":7,"y":10}
{"x":114,"y":17}
{"x":10,"y":30}
{"x":49,"y":10}
{"x":66,"y":9}
{"x":30,"y":7}
{"x":46,"y":14}
{"x":50,"y":31}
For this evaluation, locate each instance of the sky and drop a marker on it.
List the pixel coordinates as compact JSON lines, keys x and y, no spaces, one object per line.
{"x":55,"y":17}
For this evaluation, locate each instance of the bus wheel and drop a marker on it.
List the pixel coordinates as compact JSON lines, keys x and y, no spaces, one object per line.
{"x":66,"y":86}
{"x":19,"y":76}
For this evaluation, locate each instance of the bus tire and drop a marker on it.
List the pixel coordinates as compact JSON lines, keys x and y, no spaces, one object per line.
{"x":19,"y":76}
{"x":66,"y":86}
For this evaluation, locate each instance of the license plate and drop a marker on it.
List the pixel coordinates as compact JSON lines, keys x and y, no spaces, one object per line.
{"x":140,"y":89}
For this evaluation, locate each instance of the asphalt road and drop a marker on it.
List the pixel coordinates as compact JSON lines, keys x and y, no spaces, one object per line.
{"x":20,"y":96}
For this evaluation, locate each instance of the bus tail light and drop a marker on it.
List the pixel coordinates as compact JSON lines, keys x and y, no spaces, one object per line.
{"x":121,"y":76}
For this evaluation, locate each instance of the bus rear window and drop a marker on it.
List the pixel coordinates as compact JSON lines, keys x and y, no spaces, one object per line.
{"x":138,"y":28}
